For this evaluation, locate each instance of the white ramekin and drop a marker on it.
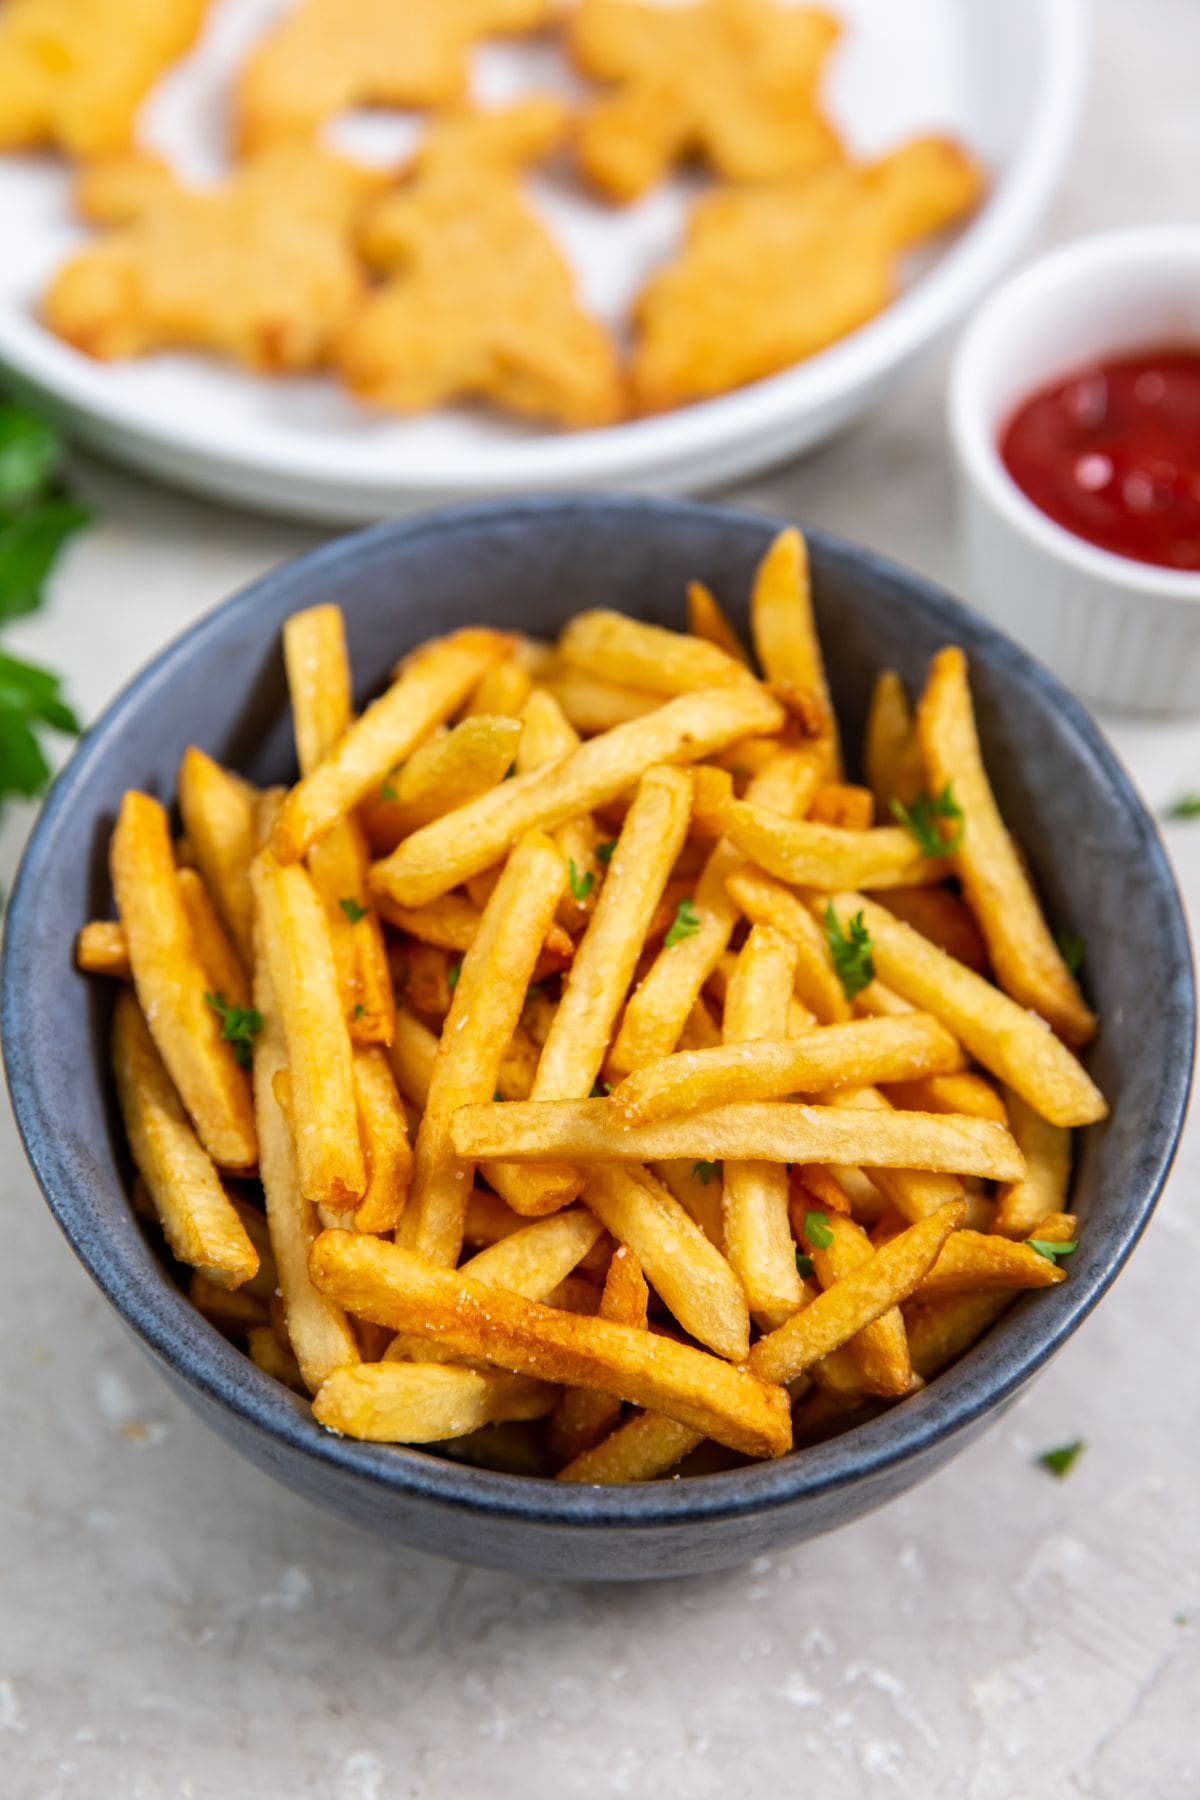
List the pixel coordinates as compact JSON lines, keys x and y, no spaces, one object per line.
{"x":1121,"y":633}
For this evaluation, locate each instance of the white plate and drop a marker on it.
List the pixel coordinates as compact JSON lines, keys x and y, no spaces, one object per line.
{"x":1005,"y":74}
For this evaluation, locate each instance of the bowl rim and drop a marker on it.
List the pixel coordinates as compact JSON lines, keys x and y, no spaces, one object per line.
{"x":160,"y":1314}
{"x":1041,"y":282}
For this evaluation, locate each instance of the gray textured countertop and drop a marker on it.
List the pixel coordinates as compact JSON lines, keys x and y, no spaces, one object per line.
{"x":174,"y":1625}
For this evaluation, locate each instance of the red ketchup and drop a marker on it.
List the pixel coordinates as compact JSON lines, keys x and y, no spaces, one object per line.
{"x":1112,"y":453}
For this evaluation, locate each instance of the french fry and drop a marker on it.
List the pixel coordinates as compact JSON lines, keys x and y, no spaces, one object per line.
{"x":431,"y":684}
{"x":293,"y":938}
{"x":767,"y":902}
{"x":547,"y":737}
{"x":1043,"y":1188}
{"x":500,"y":692}
{"x":384,"y":1282}
{"x":318,"y":678}
{"x":444,"y":772}
{"x":915,"y":1192}
{"x":645,"y":1446}
{"x":880,"y":1349}
{"x":939,"y":1331}
{"x":973,"y":1260}
{"x":198,"y":1219}
{"x":838,"y":803}
{"x":586,"y":1131}
{"x":707,"y":619}
{"x":1027,"y":961}
{"x":785,"y":633}
{"x":383,"y":1130}
{"x":825,"y":856}
{"x":758,"y":1238}
{"x":100,"y":949}
{"x":815,"y":1182}
{"x":583,"y":1415}
{"x":273,"y":1358}
{"x":942,"y":917}
{"x":423,"y":1403}
{"x":962,"y":1092}
{"x":484,"y":1011}
{"x":657,"y":1009}
{"x":218,"y":815}
{"x":489,"y":1218}
{"x":594,"y":706}
{"x":534,"y":1259}
{"x":1012,"y":1043}
{"x":631,"y":653}
{"x":318,"y":1330}
{"x":891,"y":754}
{"x":218,"y":958}
{"x":233,"y":1312}
{"x":695,"y":1282}
{"x":412,"y":1053}
{"x":853,"y":1055}
{"x":172,"y":984}
{"x":574,"y":1049}
{"x":699,"y":1189}
{"x":441,"y":855}
{"x":856,"y":1300}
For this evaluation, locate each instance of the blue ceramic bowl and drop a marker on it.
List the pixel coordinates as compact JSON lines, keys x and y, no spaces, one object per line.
{"x":1095,"y":852}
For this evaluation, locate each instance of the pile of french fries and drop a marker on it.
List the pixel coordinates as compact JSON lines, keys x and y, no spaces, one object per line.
{"x":576,"y":1072}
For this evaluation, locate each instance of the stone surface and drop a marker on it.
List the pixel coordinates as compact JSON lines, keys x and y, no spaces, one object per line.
{"x":172,"y":1624}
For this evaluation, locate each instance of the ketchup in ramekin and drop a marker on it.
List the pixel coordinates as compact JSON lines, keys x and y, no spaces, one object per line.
{"x":1112,"y":453}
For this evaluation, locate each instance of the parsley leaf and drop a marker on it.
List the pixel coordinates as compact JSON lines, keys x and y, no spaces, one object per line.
{"x":922,"y":818}
{"x":353,"y":911}
{"x":1051,"y":1251}
{"x":581,"y":885}
{"x":1060,"y":1462}
{"x":497,"y":1096}
{"x":1187,"y":806}
{"x":452,"y":975}
{"x":604,"y":852}
{"x":704,"y":1171}
{"x":29,"y":697}
{"x":29,"y":454}
{"x":240,"y":1025}
{"x":685,"y":924}
{"x":386,"y":790}
{"x":600,"y":1089}
{"x":851,"y":955}
{"x":31,"y":536}
{"x":816,"y":1230}
{"x":1072,"y":949}
{"x":804,"y":1266}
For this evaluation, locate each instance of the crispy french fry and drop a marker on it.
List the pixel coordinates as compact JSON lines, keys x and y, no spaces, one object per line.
{"x":594,"y":706}
{"x":758,"y":1238}
{"x":1012,"y":1043}
{"x":534,"y":1259}
{"x":632,"y":653}
{"x":838,"y":803}
{"x":767,"y":902}
{"x":972,"y":1260}
{"x":654,"y":1017}
{"x":707,"y":619}
{"x":880,"y":1349}
{"x":696,"y":1283}
{"x":1027,"y":961}
{"x":891,"y":754}
{"x":940,"y":1330}
{"x":172,"y":984}
{"x":940,"y":916}
{"x":445,"y":771}
{"x":489,"y":1218}
{"x":814,"y":1182}
{"x":384,"y":1132}
{"x":100,"y":949}
{"x":218,"y":958}
{"x":318,"y":1330}
{"x":583,"y":1415}
{"x":645,"y":1446}
{"x":441,"y":855}
{"x":500,"y":692}
{"x":915,"y":1192}
{"x":425,"y":1402}
{"x":254,"y":1224}
{"x":784,"y":630}
{"x":824,"y":856}
{"x":318,"y":678}
{"x":198,"y":1219}
{"x":411,"y":1053}
{"x":434,"y":681}
{"x":962,"y":1092}
{"x":1043,"y":1189}
{"x":586,"y":1131}
{"x":384,"y":1282}
{"x":486,"y":1006}
{"x":546,"y":738}
{"x":294,"y":942}
{"x":830,"y":1056}
{"x":218,"y":815}
{"x":699,"y":1188}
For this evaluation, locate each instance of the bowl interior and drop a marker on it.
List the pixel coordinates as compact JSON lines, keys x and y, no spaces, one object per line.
{"x":1094,"y":850}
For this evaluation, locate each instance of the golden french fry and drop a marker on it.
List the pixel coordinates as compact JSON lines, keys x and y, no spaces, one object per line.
{"x":274,"y":1358}
{"x":695,"y":1282}
{"x":294,"y":942}
{"x":1043,"y":1188}
{"x":384,"y":1133}
{"x":699,"y":1188}
{"x":218,"y":958}
{"x":940,"y":1330}
{"x":758,"y":1238}
{"x":785,"y":632}
{"x":825,"y":856}
{"x":840,"y":803}
{"x":767,"y":902}
{"x":547,"y":737}
{"x":445,"y":771}
{"x":425,"y":1402}
{"x":838,"y":1247}
{"x":915,"y":1192}
{"x":891,"y":753}
{"x":594,"y":706}
{"x":198,"y":1219}
{"x":583,"y":1415}
{"x":1012,"y":1043}
{"x":100,"y":949}
{"x":441,"y":855}
{"x":1027,"y":961}
{"x":318,"y":1330}
{"x":772,"y":1131}
{"x":318,"y":678}
{"x":254,"y":1224}
{"x":500,"y":692}
{"x":486,"y":1005}
{"x":942,"y":917}
{"x":813,"y":1182}
{"x":489,"y":1218}
{"x":972,"y":1260}
{"x":172,"y":984}
{"x":702,"y":928}
{"x":856,"y":1300}
{"x":632,"y":653}
{"x":707,"y":619}
{"x":233,"y":1313}
{"x":411,"y":1053}
{"x":383,"y":1282}
{"x":829,"y":1056}
{"x":645,"y":1446}
{"x":218,"y":815}
{"x":434,"y":681}
{"x":534,"y":1259}
{"x":961,"y":1092}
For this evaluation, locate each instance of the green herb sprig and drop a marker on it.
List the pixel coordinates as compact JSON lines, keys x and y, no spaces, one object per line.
{"x":581,"y":885}
{"x":923,"y":818}
{"x":685,"y":924}
{"x":240,"y":1025}
{"x":1060,"y":1462}
{"x":353,"y":911}
{"x":851,"y":952}
{"x":816,"y":1230}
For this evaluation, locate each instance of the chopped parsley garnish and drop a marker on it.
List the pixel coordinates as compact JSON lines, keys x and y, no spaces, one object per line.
{"x":685,"y":924}
{"x":387,"y":790}
{"x":804,"y":1266}
{"x":359,"y":1010}
{"x":497,"y":1095}
{"x":240,"y":1025}
{"x":922,"y":819}
{"x":600,"y":1089}
{"x":851,"y":955}
{"x":816,"y":1230}
{"x":1060,"y":1462}
{"x":1187,"y":806}
{"x":1072,"y":949}
{"x":1050,"y":1251}
{"x":353,"y":911}
{"x":452,"y":975}
{"x":604,"y":852}
{"x":581,"y":885}
{"x":704,"y":1171}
